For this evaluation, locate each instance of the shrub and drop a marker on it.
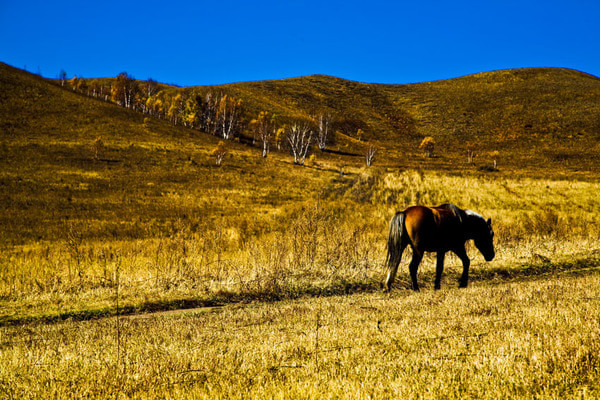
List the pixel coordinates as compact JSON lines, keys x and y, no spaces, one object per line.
{"x":428,"y":145}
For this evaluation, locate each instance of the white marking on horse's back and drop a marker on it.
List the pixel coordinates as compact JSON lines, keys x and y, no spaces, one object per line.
{"x":472,"y":213}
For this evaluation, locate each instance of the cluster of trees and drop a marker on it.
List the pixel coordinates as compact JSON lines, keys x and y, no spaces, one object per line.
{"x":215,"y":113}
{"x":223,"y":115}
{"x":219,"y":114}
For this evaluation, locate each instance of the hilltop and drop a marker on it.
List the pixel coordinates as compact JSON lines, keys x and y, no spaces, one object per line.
{"x":537,"y":118}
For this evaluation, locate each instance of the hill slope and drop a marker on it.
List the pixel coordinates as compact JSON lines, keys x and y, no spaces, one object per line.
{"x":147,"y":172}
{"x":521,"y":100}
{"x":535,"y":117}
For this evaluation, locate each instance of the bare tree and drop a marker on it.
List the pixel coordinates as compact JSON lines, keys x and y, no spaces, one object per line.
{"x":323,"y":121}
{"x":266,"y":129}
{"x":151,"y":87}
{"x":370,"y":155}
{"x":299,"y":136}
{"x":63,"y":77}
{"x":229,"y":116}
{"x":208,"y":106}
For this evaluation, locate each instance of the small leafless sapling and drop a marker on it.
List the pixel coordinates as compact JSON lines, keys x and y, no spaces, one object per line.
{"x":370,"y":155}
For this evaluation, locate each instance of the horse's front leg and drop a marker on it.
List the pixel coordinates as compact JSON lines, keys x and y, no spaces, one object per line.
{"x":464,"y":278}
{"x":414,"y":266}
{"x":439,"y":269}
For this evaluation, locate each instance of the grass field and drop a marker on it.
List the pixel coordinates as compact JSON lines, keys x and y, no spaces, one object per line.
{"x":278,"y":265}
{"x":524,"y":339}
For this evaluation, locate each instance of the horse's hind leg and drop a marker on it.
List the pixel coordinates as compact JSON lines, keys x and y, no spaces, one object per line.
{"x":439,"y":269}
{"x":414,"y":266}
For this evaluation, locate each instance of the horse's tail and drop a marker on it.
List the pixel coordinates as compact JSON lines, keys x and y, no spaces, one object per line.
{"x":395,"y":247}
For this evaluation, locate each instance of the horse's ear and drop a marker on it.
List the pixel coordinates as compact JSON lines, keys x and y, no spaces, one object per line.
{"x":489,"y":221}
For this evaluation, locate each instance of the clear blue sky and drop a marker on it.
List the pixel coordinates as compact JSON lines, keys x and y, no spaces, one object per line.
{"x":222,"y":41}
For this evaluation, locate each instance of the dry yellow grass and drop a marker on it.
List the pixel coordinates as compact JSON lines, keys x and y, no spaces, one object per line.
{"x":526,"y":339}
{"x":331,"y":245}
{"x":147,"y":222}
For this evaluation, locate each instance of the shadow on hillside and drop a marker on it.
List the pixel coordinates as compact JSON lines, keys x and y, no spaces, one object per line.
{"x":341,"y":153}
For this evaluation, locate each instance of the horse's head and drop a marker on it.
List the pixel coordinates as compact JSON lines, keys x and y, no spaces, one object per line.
{"x":484,"y":239}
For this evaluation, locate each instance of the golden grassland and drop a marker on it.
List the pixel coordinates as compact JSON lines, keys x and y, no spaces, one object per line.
{"x":525,"y":339}
{"x":333,"y":242}
{"x":285,"y":261}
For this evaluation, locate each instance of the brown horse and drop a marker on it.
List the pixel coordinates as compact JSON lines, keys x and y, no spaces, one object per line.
{"x":436,"y":229}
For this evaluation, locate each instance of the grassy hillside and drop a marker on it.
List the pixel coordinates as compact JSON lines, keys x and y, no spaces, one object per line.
{"x":536,"y":117}
{"x":147,"y":173}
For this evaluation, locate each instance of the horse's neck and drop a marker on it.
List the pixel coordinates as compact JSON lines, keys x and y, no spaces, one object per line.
{"x":471,"y":223}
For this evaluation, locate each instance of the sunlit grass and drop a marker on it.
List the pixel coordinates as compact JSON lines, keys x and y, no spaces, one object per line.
{"x":331,"y":243}
{"x":519,"y":340}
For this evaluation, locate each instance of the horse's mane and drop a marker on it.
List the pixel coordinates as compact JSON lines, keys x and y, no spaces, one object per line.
{"x":459,"y":213}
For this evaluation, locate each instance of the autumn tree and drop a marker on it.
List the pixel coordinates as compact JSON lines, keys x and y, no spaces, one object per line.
{"x":323,"y":122}
{"x":97,"y":148}
{"x":471,"y":152}
{"x":279,"y":134}
{"x":151,"y":105}
{"x":428,"y":145}
{"x":139,"y":102}
{"x":95,"y":87}
{"x":175,"y":108}
{"x":360,"y":134}
{"x":191,"y":112}
{"x":253,"y":126}
{"x":124,"y":90}
{"x":74,"y":82}
{"x":219,"y":152}
{"x":299,"y":137}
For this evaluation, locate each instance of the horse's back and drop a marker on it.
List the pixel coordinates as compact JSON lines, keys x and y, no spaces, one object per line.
{"x":433,"y":228}
{"x":438,"y":215}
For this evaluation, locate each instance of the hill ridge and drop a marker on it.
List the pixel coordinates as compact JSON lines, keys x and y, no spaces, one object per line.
{"x":543,"y":114}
